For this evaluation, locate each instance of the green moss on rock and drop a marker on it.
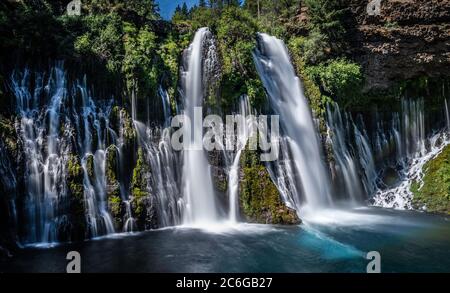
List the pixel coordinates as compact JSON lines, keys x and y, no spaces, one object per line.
{"x":142,"y":202}
{"x":111,"y":170}
{"x":90,"y":168}
{"x":111,"y":165}
{"x":8,"y":135}
{"x":120,"y":120}
{"x":116,"y":210}
{"x":434,"y":195}
{"x":127,"y":128}
{"x":76,"y":193}
{"x":259,"y":199}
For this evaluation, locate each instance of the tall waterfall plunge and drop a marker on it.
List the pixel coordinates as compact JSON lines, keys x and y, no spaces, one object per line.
{"x":301,"y":141}
{"x":197,"y":187}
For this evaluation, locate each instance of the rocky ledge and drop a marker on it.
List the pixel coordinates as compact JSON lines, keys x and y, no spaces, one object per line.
{"x":409,"y":39}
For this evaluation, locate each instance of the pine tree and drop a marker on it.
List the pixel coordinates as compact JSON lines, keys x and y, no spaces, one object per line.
{"x":185,"y":10}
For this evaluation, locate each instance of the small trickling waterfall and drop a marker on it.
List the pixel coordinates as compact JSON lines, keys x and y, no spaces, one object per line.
{"x":447,"y":115}
{"x":243,"y":134}
{"x":197,"y":182}
{"x":165,"y":101}
{"x":302,"y":143}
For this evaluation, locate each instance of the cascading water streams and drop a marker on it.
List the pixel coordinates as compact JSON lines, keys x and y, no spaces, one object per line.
{"x":400,"y":143}
{"x":447,"y":115}
{"x":339,"y":133}
{"x":413,"y":126}
{"x":352,"y":153}
{"x":287,"y":100}
{"x":48,"y":115}
{"x":164,"y":165}
{"x":243,"y":134}
{"x":197,"y":182}
{"x":400,"y":195}
{"x":366,"y":159}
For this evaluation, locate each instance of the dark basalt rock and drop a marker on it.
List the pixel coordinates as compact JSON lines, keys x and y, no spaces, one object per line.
{"x":408,"y":40}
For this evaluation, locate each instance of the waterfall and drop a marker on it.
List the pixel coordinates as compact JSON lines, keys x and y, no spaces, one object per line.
{"x":447,"y":115}
{"x":399,"y":196}
{"x":406,"y":139}
{"x":287,"y":100}
{"x":164,"y":165}
{"x":130,"y":222}
{"x":165,"y":101}
{"x":366,"y":160}
{"x":414,"y":127}
{"x":52,"y":118}
{"x":352,"y":152}
{"x":343,"y":154}
{"x":233,"y":177}
{"x":197,"y":182}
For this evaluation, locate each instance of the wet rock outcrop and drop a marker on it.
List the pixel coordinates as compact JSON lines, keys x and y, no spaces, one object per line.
{"x":259,"y":198}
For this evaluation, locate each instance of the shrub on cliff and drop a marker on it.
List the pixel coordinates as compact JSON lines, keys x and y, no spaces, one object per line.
{"x":340,"y":79}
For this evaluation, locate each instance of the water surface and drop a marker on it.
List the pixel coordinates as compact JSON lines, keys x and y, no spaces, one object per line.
{"x":330,"y":241}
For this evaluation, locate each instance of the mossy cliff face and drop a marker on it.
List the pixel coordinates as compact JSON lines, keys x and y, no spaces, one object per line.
{"x":120,"y":120}
{"x":9,"y":135}
{"x":434,"y":195}
{"x":115,"y":205}
{"x":90,"y":167}
{"x":260,"y":201}
{"x":76,"y":195}
{"x":143,"y":203}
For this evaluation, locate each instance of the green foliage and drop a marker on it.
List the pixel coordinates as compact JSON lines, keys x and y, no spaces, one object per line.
{"x":101,"y":39}
{"x":273,"y":16}
{"x":203,"y":17}
{"x":170,"y":52}
{"x":139,"y":45}
{"x":317,"y":100}
{"x":236,"y":31}
{"x":435,"y":192}
{"x":314,"y":48}
{"x":326,"y":18}
{"x":131,"y":10}
{"x":339,"y":78}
